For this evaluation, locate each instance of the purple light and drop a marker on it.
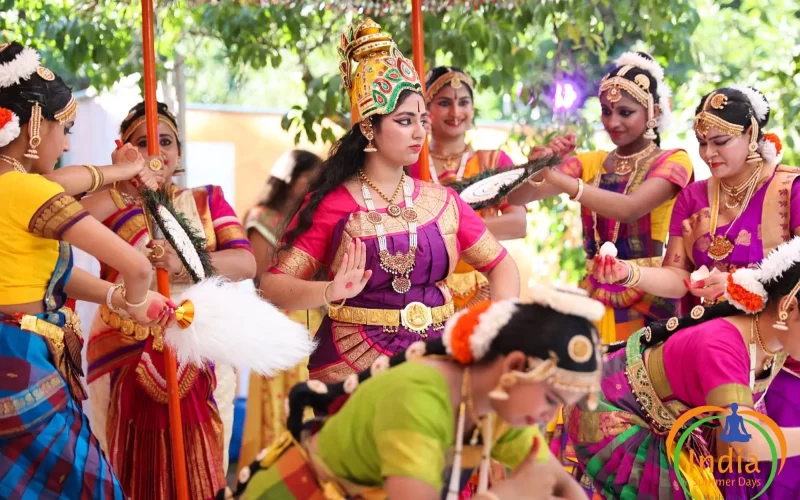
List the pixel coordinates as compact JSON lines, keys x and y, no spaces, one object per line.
{"x":565,"y":97}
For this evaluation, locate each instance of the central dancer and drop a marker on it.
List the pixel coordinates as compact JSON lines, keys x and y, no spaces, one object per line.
{"x":389,"y":242}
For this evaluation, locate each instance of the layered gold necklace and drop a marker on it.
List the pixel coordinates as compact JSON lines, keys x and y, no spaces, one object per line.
{"x":15,"y":164}
{"x":736,"y":194}
{"x":721,"y":246}
{"x":623,"y":165}
{"x":399,"y":264}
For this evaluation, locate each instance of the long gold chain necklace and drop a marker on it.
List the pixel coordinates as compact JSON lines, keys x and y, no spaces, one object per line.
{"x":400,"y":264}
{"x":721,"y":247}
{"x":623,"y":165}
{"x":392,"y":209}
{"x":736,"y":194}
{"x":15,"y":164}
{"x":634,"y":171}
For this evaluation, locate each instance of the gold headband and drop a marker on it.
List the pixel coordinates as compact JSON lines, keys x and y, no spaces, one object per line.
{"x":126,"y":135}
{"x":639,"y":88}
{"x":68,"y":113}
{"x":454,"y":78}
{"x":705,"y":120}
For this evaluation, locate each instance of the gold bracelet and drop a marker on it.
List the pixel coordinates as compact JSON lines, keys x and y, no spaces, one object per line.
{"x":486,"y":495}
{"x":97,"y":178}
{"x":534,"y":183}
{"x":330,"y":305}
{"x":579,"y":194}
{"x":132,"y":306}
{"x":182,"y":274}
{"x":634,"y":275}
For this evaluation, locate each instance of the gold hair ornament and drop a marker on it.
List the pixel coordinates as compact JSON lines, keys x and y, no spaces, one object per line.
{"x":705,"y":120}
{"x":34,"y":129}
{"x":68,"y":112}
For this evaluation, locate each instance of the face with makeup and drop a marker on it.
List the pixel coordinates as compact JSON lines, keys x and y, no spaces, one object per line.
{"x":725,"y":154}
{"x":168,"y":147}
{"x":451,"y":111}
{"x":399,"y":135}
{"x":624,"y":120}
{"x":55,"y":142}
{"x":531,"y":403}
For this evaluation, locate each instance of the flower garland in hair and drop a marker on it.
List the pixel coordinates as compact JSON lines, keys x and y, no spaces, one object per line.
{"x":9,"y":126}
{"x":770,"y":148}
{"x":568,"y":300}
{"x":664,"y":92}
{"x":20,"y":68}
{"x":746,"y":290}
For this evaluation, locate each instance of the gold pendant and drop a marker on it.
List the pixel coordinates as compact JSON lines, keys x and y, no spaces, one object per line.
{"x":623,"y":168}
{"x":394,"y":210}
{"x":401,"y":284}
{"x":721,"y":247}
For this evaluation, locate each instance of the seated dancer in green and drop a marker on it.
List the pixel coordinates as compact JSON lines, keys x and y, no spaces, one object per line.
{"x":479,"y":392}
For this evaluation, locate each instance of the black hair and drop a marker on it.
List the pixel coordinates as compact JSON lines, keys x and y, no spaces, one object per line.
{"x":635,"y":71}
{"x":52,"y":96}
{"x":738,"y":110}
{"x":440,"y":71}
{"x":551,"y":336}
{"x":346,"y":157}
{"x":276,"y":194}
{"x":776,"y":290}
{"x":138,"y":111}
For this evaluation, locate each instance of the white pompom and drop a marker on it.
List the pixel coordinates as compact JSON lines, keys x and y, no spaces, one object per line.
{"x":701,"y":274}
{"x":608,"y":249}
{"x":757,"y":100}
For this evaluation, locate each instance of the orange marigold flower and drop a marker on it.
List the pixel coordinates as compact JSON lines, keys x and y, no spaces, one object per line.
{"x":462,"y":331}
{"x":5,"y":116}
{"x":774,"y":139}
{"x":749,"y":300}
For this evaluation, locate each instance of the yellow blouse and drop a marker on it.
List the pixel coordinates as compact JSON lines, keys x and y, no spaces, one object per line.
{"x":677,"y":168}
{"x":34,"y":214}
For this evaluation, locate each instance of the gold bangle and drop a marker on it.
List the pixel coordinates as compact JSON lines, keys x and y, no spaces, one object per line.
{"x":486,"y":495}
{"x":534,"y":183}
{"x":97,"y":178}
{"x":634,"y":275}
{"x":331,"y":305}
{"x":579,"y":194}
{"x":182,"y":274}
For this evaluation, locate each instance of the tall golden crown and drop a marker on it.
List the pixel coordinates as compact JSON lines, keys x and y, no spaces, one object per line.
{"x":382,"y":73}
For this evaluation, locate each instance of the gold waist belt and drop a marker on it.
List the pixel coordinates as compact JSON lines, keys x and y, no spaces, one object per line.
{"x":130,"y":328}
{"x":416,"y":317}
{"x":53,"y":333}
{"x":644,"y":262}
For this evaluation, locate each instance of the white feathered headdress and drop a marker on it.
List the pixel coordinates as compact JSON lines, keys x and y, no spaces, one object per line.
{"x":655,"y":70}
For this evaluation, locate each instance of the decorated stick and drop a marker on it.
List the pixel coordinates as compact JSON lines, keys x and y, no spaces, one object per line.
{"x":170,"y":364}
{"x":418,"y":44}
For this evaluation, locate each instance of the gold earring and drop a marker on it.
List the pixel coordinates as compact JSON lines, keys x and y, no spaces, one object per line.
{"x":366,"y":129}
{"x":36,"y":139}
{"x":506,"y":382}
{"x":753,"y":157}
{"x":783,"y":315}
{"x":650,"y":134}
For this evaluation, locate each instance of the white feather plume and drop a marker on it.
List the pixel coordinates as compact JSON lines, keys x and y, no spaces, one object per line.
{"x":235,"y":326}
{"x":757,"y":100}
{"x":780,"y":260}
{"x":664,"y":92}
{"x":20,"y":68}
{"x":10,"y":130}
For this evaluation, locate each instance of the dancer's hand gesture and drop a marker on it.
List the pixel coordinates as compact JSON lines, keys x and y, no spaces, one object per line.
{"x":351,"y":278}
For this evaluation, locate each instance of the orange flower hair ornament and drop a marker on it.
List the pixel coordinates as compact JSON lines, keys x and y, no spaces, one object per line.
{"x":746,"y":287}
{"x":9,"y":126}
{"x":770,"y":148}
